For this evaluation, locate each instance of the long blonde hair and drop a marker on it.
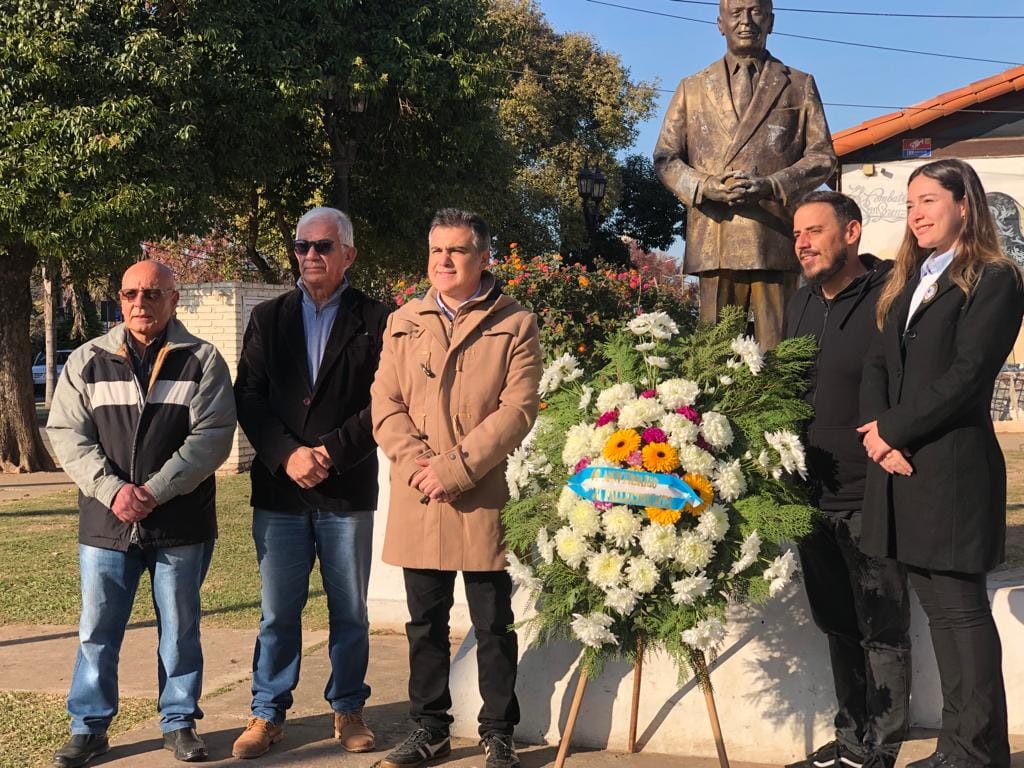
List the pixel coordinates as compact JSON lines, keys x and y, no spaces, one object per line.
{"x":977,"y":245}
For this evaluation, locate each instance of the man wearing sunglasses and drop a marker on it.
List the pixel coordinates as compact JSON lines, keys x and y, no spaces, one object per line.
{"x":141,"y":419}
{"x":303,"y":390}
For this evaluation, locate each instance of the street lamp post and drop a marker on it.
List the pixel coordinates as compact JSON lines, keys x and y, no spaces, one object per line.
{"x":591,"y":186}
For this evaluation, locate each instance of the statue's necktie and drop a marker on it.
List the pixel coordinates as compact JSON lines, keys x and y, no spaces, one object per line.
{"x":743,"y":87}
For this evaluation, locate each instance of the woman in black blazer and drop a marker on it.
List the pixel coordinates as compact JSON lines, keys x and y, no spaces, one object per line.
{"x":936,"y":495}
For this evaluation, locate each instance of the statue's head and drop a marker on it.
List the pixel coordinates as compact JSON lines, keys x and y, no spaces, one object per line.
{"x":746,"y":25}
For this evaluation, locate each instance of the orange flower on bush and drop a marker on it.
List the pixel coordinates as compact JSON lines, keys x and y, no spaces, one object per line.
{"x":704,"y":489}
{"x":663,"y":516}
{"x":584,"y":281}
{"x":660,"y":457}
{"x":618,"y":447}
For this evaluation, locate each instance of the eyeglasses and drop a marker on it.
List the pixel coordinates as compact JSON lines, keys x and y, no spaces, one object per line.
{"x":323,"y":247}
{"x":148,"y":294}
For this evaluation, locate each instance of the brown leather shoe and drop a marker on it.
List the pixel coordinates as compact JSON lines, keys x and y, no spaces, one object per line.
{"x":257,"y":738}
{"x":353,"y":732}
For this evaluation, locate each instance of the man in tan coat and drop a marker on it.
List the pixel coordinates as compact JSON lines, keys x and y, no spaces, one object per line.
{"x":741,"y":141}
{"x":455,"y":394}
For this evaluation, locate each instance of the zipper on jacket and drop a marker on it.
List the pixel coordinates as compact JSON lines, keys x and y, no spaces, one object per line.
{"x":136,"y":536}
{"x":824,"y":326}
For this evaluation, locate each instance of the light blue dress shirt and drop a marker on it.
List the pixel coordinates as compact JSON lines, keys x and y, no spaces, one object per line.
{"x":318,"y":322}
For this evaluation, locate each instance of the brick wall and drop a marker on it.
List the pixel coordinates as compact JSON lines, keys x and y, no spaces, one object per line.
{"x":218,"y":313}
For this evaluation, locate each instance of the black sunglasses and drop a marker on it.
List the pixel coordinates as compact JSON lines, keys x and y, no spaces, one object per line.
{"x":148,"y":294}
{"x":323,"y":247}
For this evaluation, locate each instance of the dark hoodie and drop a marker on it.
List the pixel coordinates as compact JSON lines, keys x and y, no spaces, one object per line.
{"x":844,"y":328}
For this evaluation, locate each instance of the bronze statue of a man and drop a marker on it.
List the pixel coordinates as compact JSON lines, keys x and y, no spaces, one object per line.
{"x":741,"y":141}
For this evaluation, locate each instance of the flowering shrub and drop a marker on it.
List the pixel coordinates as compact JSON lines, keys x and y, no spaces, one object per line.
{"x":707,"y":409}
{"x":577,"y":309}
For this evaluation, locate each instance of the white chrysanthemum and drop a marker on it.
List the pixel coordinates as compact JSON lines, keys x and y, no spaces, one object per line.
{"x":545,"y":546}
{"x":584,"y":518}
{"x":693,"y":552}
{"x":577,"y":444}
{"x":790,"y":450}
{"x":706,"y":635}
{"x":621,"y":525}
{"x":517,"y":471}
{"x":645,"y":346}
{"x":571,"y":546}
{"x":613,"y":397}
{"x":559,"y":371}
{"x":599,"y":437}
{"x":677,"y":393}
{"x":716,"y":429}
{"x":657,"y":361}
{"x":747,"y":349}
{"x":779,"y":572}
{"x":679,"y":429}
{"x":566,"y":501}
{"x":656,"y":324}
{"x":729,"y":481}
{"x":696,"y":460}
{"x":658,"y":542}
{"x":622,"y":600}
{"x":604,"y":569}
{"x":687,"y":591}
{"x":642,"y":575}
{"x":593,"y":630}
{"x":749,"y":551}
{"x":714,"y":523}
{"x":724,"y":380}
{"x":521,"y":573}
{"x":586,"y":397}
{"x":601,"y":461}
{"x":640,"y":412}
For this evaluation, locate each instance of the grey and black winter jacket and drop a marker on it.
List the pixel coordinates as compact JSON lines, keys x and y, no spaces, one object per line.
{"x":106,"y":433}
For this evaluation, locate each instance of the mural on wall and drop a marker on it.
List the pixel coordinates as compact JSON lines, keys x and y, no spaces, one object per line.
{"x":882,"y":197}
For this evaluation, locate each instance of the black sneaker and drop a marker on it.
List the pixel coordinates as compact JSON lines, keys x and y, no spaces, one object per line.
{"x":500,"y":750}
{"x":832,"y":755}
{"x":419,"y":748}
{"x":80,"y":749}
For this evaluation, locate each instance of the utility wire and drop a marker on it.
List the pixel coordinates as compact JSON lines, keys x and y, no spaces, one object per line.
{"x":816,"y":39}
{"x":867,"y":13}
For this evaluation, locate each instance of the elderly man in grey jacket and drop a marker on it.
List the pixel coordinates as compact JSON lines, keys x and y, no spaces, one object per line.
{"x":141,"y":419}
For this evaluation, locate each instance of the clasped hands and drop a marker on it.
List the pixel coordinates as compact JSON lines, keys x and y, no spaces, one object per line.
{"x":891,"y":460}
{"x":735,"y":187}
{"x":308,"y":467}
{"x":429,"y":484}
{"x":133,"y":503}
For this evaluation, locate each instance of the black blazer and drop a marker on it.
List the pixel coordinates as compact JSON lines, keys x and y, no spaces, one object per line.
{"x":930,"y":389}
{"x":279,"y":410}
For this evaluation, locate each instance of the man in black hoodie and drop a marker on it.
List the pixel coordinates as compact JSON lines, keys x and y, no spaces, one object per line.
{"x":860,"y":603}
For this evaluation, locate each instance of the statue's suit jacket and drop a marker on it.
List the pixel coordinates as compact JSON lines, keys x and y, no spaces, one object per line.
{"x":782,"y":136}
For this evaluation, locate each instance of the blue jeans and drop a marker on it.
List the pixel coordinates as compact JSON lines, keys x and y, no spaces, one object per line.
{"x":287,"y":545}
{"x":109,"y":582}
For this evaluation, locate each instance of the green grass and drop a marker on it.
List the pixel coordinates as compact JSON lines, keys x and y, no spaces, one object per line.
{"x":33,"y":725}
{"x":39,"y":564}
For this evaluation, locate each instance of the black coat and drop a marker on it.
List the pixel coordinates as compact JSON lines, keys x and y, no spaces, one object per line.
{"x":279,"y":411}
{"x":930,"y":389}
{"x":844,"y":328}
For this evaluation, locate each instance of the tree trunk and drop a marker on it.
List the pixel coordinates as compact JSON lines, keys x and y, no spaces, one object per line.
{"x":286,"y":237}
{"x":21,"y":446}
{"x":49,"y":336}
{"x":252,"y":235}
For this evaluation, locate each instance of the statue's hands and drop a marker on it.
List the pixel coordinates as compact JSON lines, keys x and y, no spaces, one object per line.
{"x":750,"y":188}
{"x":723,"y":189}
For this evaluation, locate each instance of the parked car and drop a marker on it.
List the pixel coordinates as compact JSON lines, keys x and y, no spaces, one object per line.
{"x":39,"y":367}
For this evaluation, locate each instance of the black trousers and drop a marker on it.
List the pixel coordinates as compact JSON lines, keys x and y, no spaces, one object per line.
{"x":970,"y":658}
{"x":430,"y":595}
{"x":861,"y":603}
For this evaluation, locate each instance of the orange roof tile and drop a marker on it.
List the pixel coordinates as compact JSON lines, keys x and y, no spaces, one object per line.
{"x":879,"y":129}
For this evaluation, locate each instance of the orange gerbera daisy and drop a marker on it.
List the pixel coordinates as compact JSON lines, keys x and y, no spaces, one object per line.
{"x":663,"y":516}
{"x":704,"y":489}
{"x":660,"y":457}
{"x":622,"y":443}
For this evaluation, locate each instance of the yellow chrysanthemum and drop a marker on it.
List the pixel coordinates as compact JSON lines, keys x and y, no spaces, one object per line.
{"x":704,"y":489}
{"x":663,"y":516}
{"x":660,"y":457}
{"x":621,"y":444}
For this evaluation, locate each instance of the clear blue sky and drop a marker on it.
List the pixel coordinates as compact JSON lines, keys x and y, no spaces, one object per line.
{"x":668,"y":49}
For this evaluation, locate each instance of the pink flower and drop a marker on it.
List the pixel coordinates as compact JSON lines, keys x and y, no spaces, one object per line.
{"x":603,"y":505}
{"x":654,"y":435}
{"x":690,"y":413}
{"x":635,"y":459}
{"x":648,"y":393}
{"x":607,"y":418}
{"x":582,"y":464}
